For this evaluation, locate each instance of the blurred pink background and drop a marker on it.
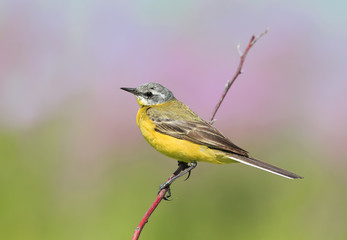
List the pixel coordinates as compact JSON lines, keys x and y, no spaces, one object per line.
{"x":57,"y":55}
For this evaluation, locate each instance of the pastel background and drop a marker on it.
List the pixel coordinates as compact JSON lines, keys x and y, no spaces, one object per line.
{"x":73,"y":164}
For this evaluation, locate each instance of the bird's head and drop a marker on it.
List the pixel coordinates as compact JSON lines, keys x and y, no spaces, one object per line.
{"x":150,"y":94}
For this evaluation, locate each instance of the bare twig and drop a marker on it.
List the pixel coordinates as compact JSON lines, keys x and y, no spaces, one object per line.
{"x":182,"y":168}
{"x":243,"y":55}
{"x":149,"y":212}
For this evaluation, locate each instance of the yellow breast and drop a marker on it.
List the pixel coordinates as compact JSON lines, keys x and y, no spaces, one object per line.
{"x":179,"y":149}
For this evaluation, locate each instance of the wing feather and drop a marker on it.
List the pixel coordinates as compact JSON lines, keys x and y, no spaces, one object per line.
{"x":194,"y":130}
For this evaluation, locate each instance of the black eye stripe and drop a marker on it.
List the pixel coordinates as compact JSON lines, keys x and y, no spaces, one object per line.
{"x":148,"y":94}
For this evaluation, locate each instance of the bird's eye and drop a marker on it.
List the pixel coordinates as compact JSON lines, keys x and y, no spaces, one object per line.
{"x":148,"y":94}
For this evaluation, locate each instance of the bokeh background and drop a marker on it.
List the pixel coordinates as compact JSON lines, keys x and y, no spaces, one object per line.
{"x":73,"y":164}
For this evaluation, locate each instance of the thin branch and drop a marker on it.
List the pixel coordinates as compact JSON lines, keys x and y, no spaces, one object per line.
{"x":182,"y":167}
{"x":238,"y":71}
{"x":149,"y":212}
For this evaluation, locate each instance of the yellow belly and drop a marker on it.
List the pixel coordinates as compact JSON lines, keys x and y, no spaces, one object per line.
{"x":181,"y":150}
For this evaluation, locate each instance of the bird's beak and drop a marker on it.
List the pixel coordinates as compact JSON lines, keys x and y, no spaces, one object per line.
{"x":131,"y":90}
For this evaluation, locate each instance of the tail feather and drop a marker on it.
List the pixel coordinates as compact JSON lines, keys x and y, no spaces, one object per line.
{"x":263,"y":166}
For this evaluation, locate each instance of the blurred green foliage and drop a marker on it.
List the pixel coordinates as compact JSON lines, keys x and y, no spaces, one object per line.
{"x":42,"y":197}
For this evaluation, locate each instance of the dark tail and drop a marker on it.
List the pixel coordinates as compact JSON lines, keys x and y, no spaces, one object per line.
{"x":263,"y":166}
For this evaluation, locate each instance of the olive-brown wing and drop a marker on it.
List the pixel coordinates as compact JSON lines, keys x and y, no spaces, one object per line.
{"x":199,"y":132}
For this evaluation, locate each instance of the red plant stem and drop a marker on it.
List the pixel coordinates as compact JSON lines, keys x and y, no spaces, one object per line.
{"x":149,"y":213}
{"x":237,"y":73}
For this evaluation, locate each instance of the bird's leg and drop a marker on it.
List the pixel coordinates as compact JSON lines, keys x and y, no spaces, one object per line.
{"x":182,"y":169}
{"x":187,"y":169}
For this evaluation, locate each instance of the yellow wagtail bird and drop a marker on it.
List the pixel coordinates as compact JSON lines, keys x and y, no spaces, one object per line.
{"x":177,"y":132}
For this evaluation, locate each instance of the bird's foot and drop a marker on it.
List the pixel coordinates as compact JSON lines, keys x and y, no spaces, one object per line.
{"x":182,"y":169}
{"x":167,"y":195}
